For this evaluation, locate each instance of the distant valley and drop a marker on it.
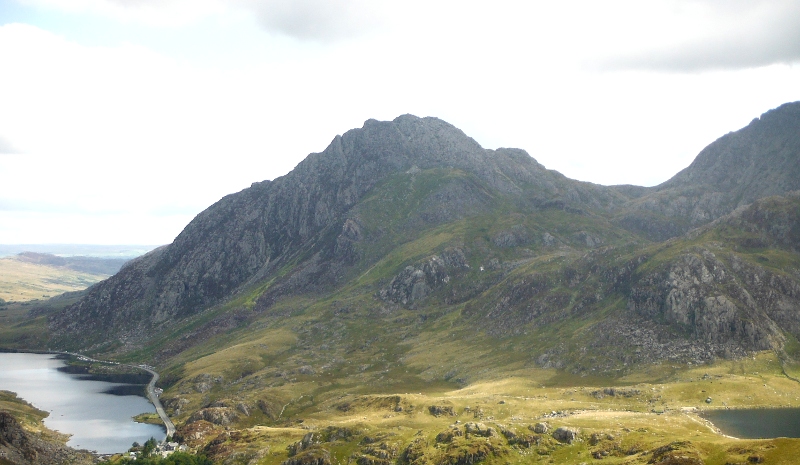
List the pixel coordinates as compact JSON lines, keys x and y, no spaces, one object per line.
{"x":36,"y":276}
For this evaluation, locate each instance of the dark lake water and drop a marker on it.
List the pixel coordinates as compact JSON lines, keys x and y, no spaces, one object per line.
{"x":757,"y":423}
{"x":96,"y":420}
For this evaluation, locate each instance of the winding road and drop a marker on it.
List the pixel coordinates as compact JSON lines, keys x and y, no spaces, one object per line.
{"x":151,"y":394}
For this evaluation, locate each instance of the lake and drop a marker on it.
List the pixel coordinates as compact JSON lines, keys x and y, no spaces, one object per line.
{"x":97,"y":421}
{"x":757,"y":423}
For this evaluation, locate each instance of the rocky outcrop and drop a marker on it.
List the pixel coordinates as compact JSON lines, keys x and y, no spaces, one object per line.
{"x":439,"y":410}
{"x":313,"y":456}
{"x":222,"y":416}
{"x":566,"y":434}
{"x":514,"y":237}
{"x":540,"y":428}
{"x":720,"y":301}
{"x":478,"y":429}
{"x":415,"y":283}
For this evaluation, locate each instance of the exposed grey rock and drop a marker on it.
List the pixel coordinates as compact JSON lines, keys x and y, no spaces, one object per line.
{"x":243,"y":408}
{"x":514,"y":237}
{"x":565,"y":434}
{"x":589,"y":239}
{"x":415,"y":283}
{"x":541,"y":428}
{"x":717,"y":302}
{"x":479,"y":429}
{"x":306,"y":370}
{"x":439,"y":410}
{"x":222,"y":416}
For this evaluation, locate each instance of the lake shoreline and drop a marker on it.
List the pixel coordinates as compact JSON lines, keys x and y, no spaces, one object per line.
{"x":69,"y":397}
{"x":754,"y":422}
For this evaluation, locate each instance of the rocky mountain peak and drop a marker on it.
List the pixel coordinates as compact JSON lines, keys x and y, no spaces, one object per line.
{"x":759,"y":160}
{"x":249,"y":236}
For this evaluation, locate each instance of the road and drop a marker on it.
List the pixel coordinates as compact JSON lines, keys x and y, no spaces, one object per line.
{"x":151,"y":394}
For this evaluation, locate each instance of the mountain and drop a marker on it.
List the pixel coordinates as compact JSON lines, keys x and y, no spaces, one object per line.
{"x":405,"y":258}
{"x":349,"y":209}
{"x":302,"y":229}
{"x":342,"y":212}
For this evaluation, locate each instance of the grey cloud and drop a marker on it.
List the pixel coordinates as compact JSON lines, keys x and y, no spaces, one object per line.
{"x":316,"y":20}
{"x":741,"y":43}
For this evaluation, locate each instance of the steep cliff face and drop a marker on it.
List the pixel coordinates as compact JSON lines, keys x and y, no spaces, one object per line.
{"x":733,"y":285}
{"x":721,"y":302}
{"x":760,"y":160}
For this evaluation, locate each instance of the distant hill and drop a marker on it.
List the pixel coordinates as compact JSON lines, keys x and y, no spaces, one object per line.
{"x":33,"y":276}
{"x":73,"y":250}
{"x":94,"y":265}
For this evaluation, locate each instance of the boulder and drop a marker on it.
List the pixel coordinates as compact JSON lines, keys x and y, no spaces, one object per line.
{"x":565,"y":434}
{"x":540,"y":428}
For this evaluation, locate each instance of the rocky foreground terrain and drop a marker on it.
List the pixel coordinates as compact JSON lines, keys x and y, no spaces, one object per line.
{"x":405,"y":258}
{"x":34,"y":445}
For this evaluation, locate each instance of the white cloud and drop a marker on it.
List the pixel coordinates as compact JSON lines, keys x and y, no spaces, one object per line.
{"x":6,"y":147}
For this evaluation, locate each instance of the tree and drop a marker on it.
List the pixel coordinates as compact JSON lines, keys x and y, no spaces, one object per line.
{"x":149,"y":447}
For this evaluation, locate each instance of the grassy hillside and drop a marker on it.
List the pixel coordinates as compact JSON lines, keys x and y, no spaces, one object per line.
{"x":628,"y":420}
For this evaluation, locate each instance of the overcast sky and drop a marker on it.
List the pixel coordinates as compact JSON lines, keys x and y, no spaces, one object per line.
{"x":120,"y":120}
